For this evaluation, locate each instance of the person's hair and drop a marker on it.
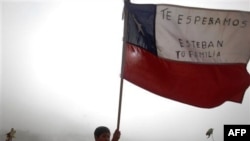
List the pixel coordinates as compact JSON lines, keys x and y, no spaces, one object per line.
{"x":100,"y":130}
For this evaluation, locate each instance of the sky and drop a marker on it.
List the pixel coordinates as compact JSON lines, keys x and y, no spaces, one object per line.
{"x":60,"y":76}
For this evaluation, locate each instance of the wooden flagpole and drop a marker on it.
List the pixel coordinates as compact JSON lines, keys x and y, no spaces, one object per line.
{"x":125,"y":17}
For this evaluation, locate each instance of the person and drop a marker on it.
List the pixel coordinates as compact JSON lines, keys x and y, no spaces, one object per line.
{"x":10,"y":135}
{"x":102,"y":133}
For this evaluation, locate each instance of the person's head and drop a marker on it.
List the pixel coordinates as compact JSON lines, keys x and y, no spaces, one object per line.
{"x":102,"y":133}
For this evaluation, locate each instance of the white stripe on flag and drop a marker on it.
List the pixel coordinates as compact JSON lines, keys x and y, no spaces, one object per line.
{"x":202,"y":35}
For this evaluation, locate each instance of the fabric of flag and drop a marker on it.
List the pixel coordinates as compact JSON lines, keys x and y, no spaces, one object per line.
{"x":196,"y":56}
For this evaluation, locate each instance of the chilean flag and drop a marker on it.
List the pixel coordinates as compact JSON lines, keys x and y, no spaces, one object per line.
{"x":192,"y":55}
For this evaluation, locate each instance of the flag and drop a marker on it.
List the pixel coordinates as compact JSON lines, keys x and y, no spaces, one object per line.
{"x":196,"y":56}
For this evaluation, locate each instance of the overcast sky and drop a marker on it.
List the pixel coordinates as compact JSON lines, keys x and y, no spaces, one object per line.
{"x":61,"y":63}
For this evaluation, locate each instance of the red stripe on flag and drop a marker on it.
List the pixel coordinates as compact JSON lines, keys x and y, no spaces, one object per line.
{"x":202,"y":85}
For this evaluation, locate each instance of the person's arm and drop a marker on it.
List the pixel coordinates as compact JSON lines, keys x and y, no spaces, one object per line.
{"x":116,"y":135}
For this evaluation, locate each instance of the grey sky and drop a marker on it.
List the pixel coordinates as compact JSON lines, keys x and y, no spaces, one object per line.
{"x":60,"y":66}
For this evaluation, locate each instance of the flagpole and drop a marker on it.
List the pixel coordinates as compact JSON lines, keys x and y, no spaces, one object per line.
{"x":125,"y":17}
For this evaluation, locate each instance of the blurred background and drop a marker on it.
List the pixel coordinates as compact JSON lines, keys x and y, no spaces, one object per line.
{"x":60,"y":76}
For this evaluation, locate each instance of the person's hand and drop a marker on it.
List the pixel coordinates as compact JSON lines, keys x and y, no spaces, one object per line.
{"x":116,"y":135}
